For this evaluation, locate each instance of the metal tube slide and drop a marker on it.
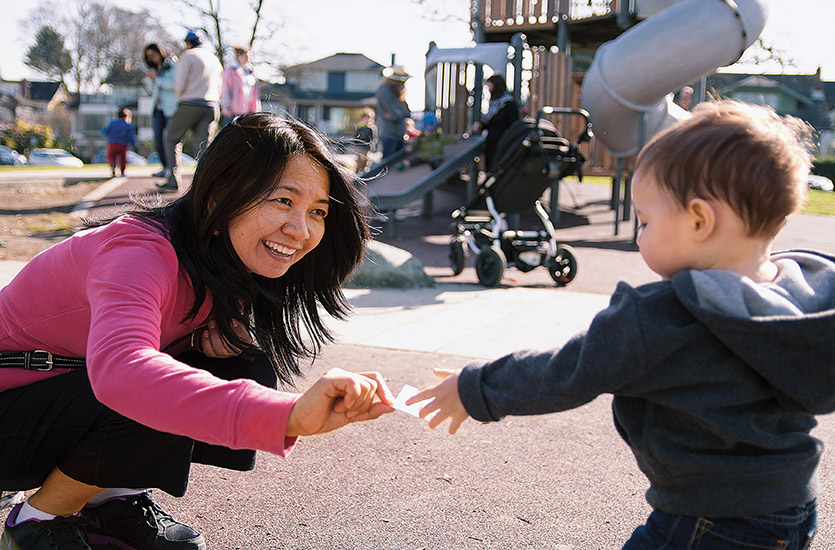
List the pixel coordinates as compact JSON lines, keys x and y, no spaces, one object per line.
{"x":636,"y":73}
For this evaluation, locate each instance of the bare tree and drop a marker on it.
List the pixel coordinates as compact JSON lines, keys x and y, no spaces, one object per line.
{"x":215,"y":26}
{"x":97,"y":35}
{"x":256,"y":7}
{"x":763,"y":52}
{"x":445,"y":10}
{"x":210,"y":22}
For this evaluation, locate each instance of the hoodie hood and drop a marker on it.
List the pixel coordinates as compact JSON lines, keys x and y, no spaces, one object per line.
{"x":783,"y":329}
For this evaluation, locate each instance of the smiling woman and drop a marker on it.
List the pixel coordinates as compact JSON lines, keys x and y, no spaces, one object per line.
{"x":277,"y":232}
{"x":169,"y":329}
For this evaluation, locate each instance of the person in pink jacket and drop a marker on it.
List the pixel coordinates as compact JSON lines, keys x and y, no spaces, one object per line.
{"x":157,"y":339}
{"x":239,"y":91}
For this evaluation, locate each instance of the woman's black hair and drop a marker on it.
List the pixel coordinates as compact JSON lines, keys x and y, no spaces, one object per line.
{"x":499,"y":85}
{"x":239,"y":169}
{"x":157,"y":48}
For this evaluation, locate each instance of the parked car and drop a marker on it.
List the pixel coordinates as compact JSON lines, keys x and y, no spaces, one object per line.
{"x":53,"y":157}
{"x":185,"y":160}
{"x":11,"y":157}
{"x":820,"y":182}
{"x":133,"y":158}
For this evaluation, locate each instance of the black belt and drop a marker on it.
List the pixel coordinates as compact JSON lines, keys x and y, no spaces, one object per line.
{"x":39,"y":360}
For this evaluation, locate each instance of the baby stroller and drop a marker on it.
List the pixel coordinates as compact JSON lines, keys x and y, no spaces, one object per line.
{"x":532,"y":156}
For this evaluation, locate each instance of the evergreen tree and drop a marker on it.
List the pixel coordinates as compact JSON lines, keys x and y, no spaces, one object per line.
{"x":48,"y":54}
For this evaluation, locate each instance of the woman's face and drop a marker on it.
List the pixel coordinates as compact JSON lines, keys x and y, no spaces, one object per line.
{"x":154,"y":57}
{"x":277,"y":232}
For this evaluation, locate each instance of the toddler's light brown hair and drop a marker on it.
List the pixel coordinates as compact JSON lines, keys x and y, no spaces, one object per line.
{"x":744,"y":155}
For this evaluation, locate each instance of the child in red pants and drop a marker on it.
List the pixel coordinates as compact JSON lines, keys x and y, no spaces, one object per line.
{"x":120,"y":135}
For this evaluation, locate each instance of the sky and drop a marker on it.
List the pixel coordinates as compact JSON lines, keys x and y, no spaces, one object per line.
{"x":312,"y":29}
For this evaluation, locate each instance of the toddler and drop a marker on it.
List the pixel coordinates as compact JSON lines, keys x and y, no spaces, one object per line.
{"x":717,"y":371}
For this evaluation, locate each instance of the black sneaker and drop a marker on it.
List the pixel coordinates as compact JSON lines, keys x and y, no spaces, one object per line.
{"x":64,"y":533}
{"x":136,"y":522}
{"x":168,"y":187}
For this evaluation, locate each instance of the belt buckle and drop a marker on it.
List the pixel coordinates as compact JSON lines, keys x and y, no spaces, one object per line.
{"x":48,"y":361}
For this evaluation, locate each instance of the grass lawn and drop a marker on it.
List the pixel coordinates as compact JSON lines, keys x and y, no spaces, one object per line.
{"x":820,"y":202}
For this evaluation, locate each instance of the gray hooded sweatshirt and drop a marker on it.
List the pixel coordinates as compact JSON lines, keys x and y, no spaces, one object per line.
{"x":716,"y":381}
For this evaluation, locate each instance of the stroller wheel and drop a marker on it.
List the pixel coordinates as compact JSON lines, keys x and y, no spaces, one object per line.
{"x":563,"y":267}
{"x":489,"y":266}
{"x":457,"y":255}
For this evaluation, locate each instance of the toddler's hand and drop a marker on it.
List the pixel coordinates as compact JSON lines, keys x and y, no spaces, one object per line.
{"x":443,"y":398}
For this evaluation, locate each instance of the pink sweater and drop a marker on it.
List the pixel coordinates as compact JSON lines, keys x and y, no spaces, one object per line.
{"x":239,"y":92}
{"x":116,"y":295}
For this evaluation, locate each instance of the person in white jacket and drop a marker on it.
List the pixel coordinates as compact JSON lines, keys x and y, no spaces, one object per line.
{"x":197,"y":85}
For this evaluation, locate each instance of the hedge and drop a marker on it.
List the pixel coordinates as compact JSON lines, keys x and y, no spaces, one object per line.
{"x":824,"y":166}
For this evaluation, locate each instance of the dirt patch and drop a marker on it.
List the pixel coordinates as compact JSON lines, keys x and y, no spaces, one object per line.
{"x":35,"y":215}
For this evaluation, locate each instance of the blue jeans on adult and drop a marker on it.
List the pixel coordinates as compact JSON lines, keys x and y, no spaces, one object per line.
{"x":158,"y":123}
{"x":391,"y":145}
{"x":789,"y":529}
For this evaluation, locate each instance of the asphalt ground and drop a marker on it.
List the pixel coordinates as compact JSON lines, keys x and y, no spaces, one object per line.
{"x":562,"y":481}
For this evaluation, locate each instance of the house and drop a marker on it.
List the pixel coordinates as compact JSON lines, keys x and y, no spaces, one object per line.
{"x":329,"y":93}
{"x":30,"y":101}
{"x":805,"y":96}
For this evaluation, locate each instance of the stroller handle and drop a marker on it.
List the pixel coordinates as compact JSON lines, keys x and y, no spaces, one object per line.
{"x":586,"y":135}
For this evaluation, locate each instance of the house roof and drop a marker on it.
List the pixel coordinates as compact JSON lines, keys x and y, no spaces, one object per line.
{"x":341,"y":62}
{"x":43,"y":91}
{"x":812,"y":108}
{"x":35,"y":90}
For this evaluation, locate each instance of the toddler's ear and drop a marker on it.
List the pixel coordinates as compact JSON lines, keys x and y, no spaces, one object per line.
{"x":702,"y":218}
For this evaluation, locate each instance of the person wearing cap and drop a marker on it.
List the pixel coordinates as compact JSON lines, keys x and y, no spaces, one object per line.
{"x":239,"y":94}
{"x":197,"y":86}
{"x":392,"y":109}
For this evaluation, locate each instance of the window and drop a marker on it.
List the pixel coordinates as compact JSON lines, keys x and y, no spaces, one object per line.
{"x":361,"y":82}
{"x":94,"y":123}
{"x":768,"y":99}
{"x":313,"y":81}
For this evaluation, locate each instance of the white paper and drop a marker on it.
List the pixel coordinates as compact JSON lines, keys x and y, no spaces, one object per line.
{"x":405,"y":394}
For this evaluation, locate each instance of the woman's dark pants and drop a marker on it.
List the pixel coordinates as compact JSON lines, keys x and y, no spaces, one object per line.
{"x":58,"y":422}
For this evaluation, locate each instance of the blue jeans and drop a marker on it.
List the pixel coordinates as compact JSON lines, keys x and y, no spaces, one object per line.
{"x":790,"y":529}
{"x":158,"y":123}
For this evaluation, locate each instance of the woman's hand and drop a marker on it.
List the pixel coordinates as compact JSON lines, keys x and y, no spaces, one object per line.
{"x":444,"y":399}
{"x":337,"y":398}
{"x":213,"y":345}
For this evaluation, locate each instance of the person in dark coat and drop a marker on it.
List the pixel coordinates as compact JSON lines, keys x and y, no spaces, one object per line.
{"x":502,"y":112}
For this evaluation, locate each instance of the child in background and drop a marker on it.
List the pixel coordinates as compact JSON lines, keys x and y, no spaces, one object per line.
{"x":120,"y":135}
{"x":363,"y":138}
{"x":718,"y":370}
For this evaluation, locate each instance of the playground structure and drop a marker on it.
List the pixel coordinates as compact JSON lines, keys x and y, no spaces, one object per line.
{"x":643,"y":51}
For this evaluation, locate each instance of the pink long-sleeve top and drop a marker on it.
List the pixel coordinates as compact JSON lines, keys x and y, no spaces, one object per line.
{"x":116,"y":295}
